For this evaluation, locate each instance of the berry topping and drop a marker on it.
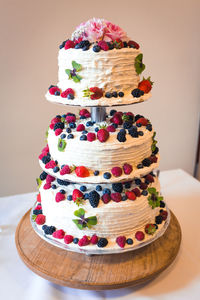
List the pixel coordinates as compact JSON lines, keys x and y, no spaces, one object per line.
{"x":150,"y":229}
{"x":131,"y":195}
{"x":158,"y":219}
{"x":127,"y":169}
{"x":82,"y":171}
{"x":50,"y":165}
{"x":59,"y":234}
{"x":133,"y":44}
{"x":102,"y":243}
{"x":111,"y":128}
{"x":145,"y":85}
{"x":69,"y":44}
{"x":70,"y":119}
{"x":60,"y":197}
{"x":137,"y":93}
{"x":116,"y":197}
{"x":136,"y":191}
{"x":84,"y":112}
{"x":106,"y":198}
{"x":80,"y":127}
{"x":107,"y":175}
{"x":103,"y":45}
{"x":108,"y":95}
{"x":65,"y":170}
{"x":121,"y":241}
{"x":68,"y":239}
{"x":149,"y":178}
{"x":117,"y":119}
{"x":117,"y":187}
{"x":96,"y":173}
{"x":96,"y":48}
{"x":121,"y":136}
{"x":40,"y":219}
{"x":129,"y":241}
{"x":94,"y":198}
{"x":142,"y":121}
{"x":53,"y":90}
{"x":84,"y":241}
{"x":139,"y":235}
{"x":94,"y":239}
{"x":65,"y":93}
{"x":58,"y":131}
{"x":116,"y":171}
{"x":121,"y":94}
{"x":91,"y":136}
{"x":47,"y":186}
{"x":146,"y":162}
{"x":93,"y":93}
{"x":77,"y":195}
{"x":164,"y":215}
{"x":102,"y":135}
{"x":49,"y":178}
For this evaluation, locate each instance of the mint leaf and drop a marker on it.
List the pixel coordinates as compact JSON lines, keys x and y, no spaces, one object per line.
{"x":76,"y":78}
{"x":61,"y":145}
{"x":79,"y":213}
{"x":80,"y":226}
{"x":92,"y":220}
{"x":139,"y":66}
{"x":76,"y":66}
{"x":68,"y":72}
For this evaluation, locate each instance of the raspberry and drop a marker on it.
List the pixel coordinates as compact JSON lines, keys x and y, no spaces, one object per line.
{"x":164,"y":214}
{"x":82,"y":171}
{"x":94,"y":239}
{"x":84,"y":241}
{"x":97,"y":93}
{"x":50,"y":165}
{"x":111,"y":128}
{"x":47,"y":186}
{"x":65,"y":170}
{"x":103,"y":45}
{"x":54,"y":89}
{"x":76,"y":194}
{"x":58,"y":131}
{"x":49,"y":178}
{"x":139,"y":235}
{"x":106,"y":198}
{"x":133,"y":44}
{"x":38,"y":207}
{"x":59,"y":234}
{"x":69,"y":44}
{"x":116,"y":171}
{"x":153,"y":159}
{"x":142,"y":121}
{"x":51,"y":126}
{"x":143,"y":186}
{"x":38,"y":198}
{"x":129,"y":114}
{"x":116,"y":119}
{"x":40,"y":219}
{"x":116,"y":197}
{"x":67,"y":92}
{"x":45,"y":149}
{"x":136,"y":191}
{"x":68,"y":239}
{"x":130,"y":195}
{"x":55,"y":120}
{"x":41,"y":155}
{"x":91,"y":136}
{"x":80,"y":127}
{"x":84,"y":112}
{"x":87,"y":115}
{"x":70,"y":119}
{"x":102,"y":135}
{"x":149,"y":177}
{"x":121,"y":241}
{"x":127,"y":169}
{"x":60,"y":197}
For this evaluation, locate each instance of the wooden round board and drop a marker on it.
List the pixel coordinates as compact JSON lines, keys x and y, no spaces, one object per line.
{"x":97,"y":272}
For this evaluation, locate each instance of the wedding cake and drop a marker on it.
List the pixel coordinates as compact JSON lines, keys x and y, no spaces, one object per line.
{"x":98,"y":192}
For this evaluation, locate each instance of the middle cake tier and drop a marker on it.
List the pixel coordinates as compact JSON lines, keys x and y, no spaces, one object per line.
{"x":118,"y":149}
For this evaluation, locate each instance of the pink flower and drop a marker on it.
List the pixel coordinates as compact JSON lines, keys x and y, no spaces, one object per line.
{"x":114,"y":32}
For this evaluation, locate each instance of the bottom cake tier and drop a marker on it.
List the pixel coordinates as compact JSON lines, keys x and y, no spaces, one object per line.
{"x":103,"y":218}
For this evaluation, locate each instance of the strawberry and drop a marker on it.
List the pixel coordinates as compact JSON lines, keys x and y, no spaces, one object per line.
{"x":77,"y":194}
{"x":121,"y":241}
{"x":80,"y":127}
{"x":82,"y":171}
{"x":102,"y":135}
{"x":142,"y":121}
{"x":130,"y":195}
{"x":145,"y":85}
{"x":133,"y":44}
{"x":93,"y":93}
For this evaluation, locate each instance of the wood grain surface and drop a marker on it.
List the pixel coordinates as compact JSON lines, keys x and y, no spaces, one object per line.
{"x":97,"y":272}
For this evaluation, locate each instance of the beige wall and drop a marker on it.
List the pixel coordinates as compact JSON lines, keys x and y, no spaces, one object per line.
{"x":31,"y":31}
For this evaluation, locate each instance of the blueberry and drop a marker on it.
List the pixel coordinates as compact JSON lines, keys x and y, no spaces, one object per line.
{"x":45,"y":159}
{"x":96,"y":48}
{"x":98,"y":188}
{"x":141,"y":133}
{"x":43,"y":175}
{"x":86,"y":196}
{"x":149,"y":127}
{"x":106,"y":191}
{"x":140,"y":166}
{"x":114,"y":94}
{"x":129,"y":241}
{"x":89,"y":123}
{"x":37,"y":212}
{"x":84,"y":131}
{"x":69,"y":197}
{"x":96,"y":173}
{"x":127,"y":185}
{"x":121,"y":94}
{"x":137,"y":93}
{"x":44,"y":227}
{"x":75,"y":240}
{"x":83,"y":137}
{"x":56,"y":169}
{"x":77,"y":46}
{"x":58,"y":116}
{"x":68,"y":130}
{"x":62,"y":192}
{"x":107,"y":175}
{"x":125,"y":44}
{"x":85,"y":48}
{"x":83,"y":188}
{"x":72,"y":125}
{"x":63,"y":136}
{"x":162,"y":204}
{"x":82,"y":117}
{"x":112,"y":112}
{"x":137,"y":181}
{"x":96,"y":129}
{"x":124,"y":198}
{"x":115,"y":125}
{"x":70,"y":136}
{"x":53,"y":186}
{"x":70,"y":96}
{"x":64,"y":116}
{"x":108,"y":95}
{"x":57,"y":93}
{"x":144,"y":193}
{"x":139,"y":125}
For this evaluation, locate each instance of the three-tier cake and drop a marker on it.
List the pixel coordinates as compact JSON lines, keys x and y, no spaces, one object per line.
{"x":98,"y":192}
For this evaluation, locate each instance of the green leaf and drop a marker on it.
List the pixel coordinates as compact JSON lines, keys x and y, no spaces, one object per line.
{"x":152,"y":190}
{"x":75,"y":78}
{"x":79,"y":213}
{"x":61,"y":144}
{"x":80,"y":226}
{"x":68,"y":72}
{"x":33,"y":217}
{"x":76,"y":66}
{"x":92,"y":220}
{"x":39,"y":182}
{"x":139,"y":66}
{"x":79,"y":77}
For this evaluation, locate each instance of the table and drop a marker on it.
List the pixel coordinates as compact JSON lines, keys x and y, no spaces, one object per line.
{"x":180,"y":281}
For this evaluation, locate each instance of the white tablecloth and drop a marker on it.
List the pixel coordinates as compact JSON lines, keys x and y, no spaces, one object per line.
{"x":180,"y":281}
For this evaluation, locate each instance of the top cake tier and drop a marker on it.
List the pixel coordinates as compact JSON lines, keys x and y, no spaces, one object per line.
{"x":99,"y":66}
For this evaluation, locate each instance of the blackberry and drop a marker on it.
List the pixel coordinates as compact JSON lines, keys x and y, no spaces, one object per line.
{"x":37,"y":212}
{"x":127,"y":185}
{"x":108,"y":95}
{"x":75,"y":240}
{"x":137,"y":181}
{"x":140,"y":166}
{"x":62,"y":45}
{"x":149,"y":127}
{"x":70,"y":136}
{"x":106,"y":191}
{"x":83,"y":188}
{"x":134,"y":134}
{"x":96,"y":48}
{"x":146,"y":162}
{"x":127,"y":125}
{"x":63,"y":182}
{"x":69,"y":197}
{"x":129,"y":241}
{"x":58,"y":125}
{"x":121,"y":137}
{"x":155,"y":151}
{"x":49,"y":230}
{"x":112,"y":112}
{"x":96,"y":173}
{"x":54,"y":187}
{"x":114,"y":94}
{"x":44,"y":227}
{"x":85,"y":48}
{"x":102,"y":243}
{"x":72,"y":125}
{"x":158,"y":219}
{"x":70,"y":96}
{"x":43,"y":175}
{"x":137,"y":93}
{"x":121,"y":94}
{"x":83,"y":137}
{"x":107,"y":175}
{"x":68,"y":130}
{"x":137,"y":117}
{"x":98,"y":188}
{"x":117,"y":187}
{"x":45,"y":159}
{"x":94,"y":198}
{"x":77,"y":46}
{"x":56,"y":169}
{"x":162,"y":204}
